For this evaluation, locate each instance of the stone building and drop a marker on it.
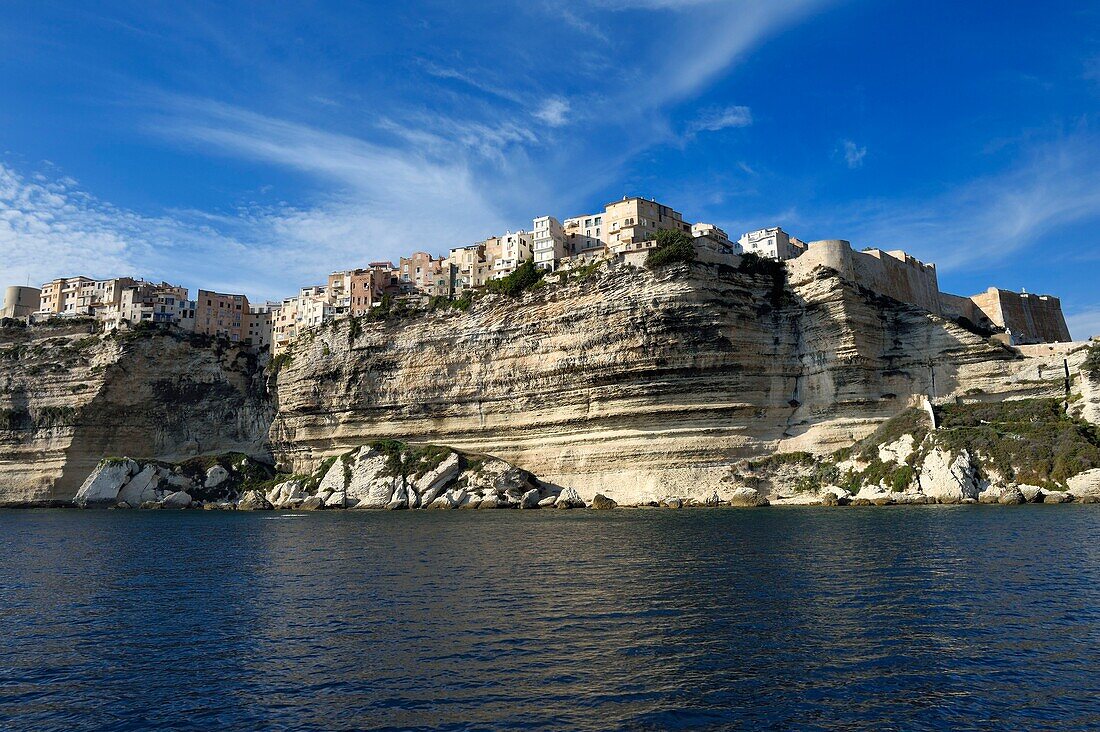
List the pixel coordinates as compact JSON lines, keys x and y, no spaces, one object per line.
{"x":515,"y":249}
{"x":1027,"y":318}
{"x":20,"y":302}
{"x":894,"y":274}
{"x":261,"y":325}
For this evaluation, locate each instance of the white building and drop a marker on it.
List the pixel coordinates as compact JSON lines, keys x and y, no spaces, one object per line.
{"x":515,"y":249}
{"x":548,"y":242}
{"x":261,"y":324}
{"x":773,"y":243}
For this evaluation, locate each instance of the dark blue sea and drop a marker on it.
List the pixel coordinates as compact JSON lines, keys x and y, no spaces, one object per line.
{"x":900,"y":618}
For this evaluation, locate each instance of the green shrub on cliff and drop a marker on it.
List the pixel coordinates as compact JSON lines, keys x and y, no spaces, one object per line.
{"x":1029,"y":441}
{"x":673,"y":247}
{"x":526,"y":276}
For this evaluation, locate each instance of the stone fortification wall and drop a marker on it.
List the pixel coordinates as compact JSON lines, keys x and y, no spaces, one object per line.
{"x":1030,"y":318}
{"x":894,"y":274}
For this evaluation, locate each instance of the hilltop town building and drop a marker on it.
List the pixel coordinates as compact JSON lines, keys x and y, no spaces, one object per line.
{"x":548,"y":242}
{"x":62,"y":296}
{"x":145,"y":302}
{"x":21,"y":302}
{"x":632,"y":223}
{"x":773,"y":243}
{"x":222,"y":315}
{"x":625,"y":232}
{"x":470,"y":267}
{"x":515,"y":249}
{"x":261,"y":319}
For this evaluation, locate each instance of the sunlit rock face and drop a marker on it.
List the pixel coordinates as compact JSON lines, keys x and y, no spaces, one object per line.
{"x":636,"y":384}
{"x":69,"y":397}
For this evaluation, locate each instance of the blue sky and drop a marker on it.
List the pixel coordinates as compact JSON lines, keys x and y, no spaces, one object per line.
{"x":257,"y":146}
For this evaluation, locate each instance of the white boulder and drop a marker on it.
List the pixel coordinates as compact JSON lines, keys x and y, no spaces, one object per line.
{"x":747,"y":497}
{"x":287,"y":494}
{"x":179,"y":499}
{"x":530,"y":499}
{"x":101,"y":488}
{"x":335,"y":499}
{"x":400,"y":499}
{"x":949,"y":479}
{"x":335,"y":477}
{"x":1085,"y":485}
{"x":215,"y":476}
{"x":569,"y":498}
{"x":141,"y":488}
{"x":434,"y":481}
{"x":253,"y":501}
{"x":897,"y":451}
{"x":370,"y":485}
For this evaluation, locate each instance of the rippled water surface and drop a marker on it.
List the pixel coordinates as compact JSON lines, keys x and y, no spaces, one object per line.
{"x":882,"y":618}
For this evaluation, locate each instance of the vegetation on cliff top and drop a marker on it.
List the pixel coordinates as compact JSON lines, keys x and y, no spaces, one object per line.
{"x":1029,"y":441}
{"x":673,"y":246}
{"x":526,"y":276}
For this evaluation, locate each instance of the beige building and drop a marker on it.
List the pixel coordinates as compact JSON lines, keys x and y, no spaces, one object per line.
{"x":146,"y":302}
{"x":21,"y":302}
{"x":311,"y":308}
{"x":773,"y":243}
{"x":426,"y":274}
{"x":711,"y":231}
{"x":63,"y":295}
{"x":632,"y":223}
{"x":584,"y":235}
{"x":222,"y":315}
{"x":470,"y":266}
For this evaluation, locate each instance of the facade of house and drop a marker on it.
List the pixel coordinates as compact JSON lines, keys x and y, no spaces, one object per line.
{"x":426,"y":274}
{"x":515,"y":249}
{"x":261,"y":322}
{"x":470,"y":267}
{"x":548,"y":242}
{"x":773,"y":243}
{"x":222,"y":315}
{"x":632,"y":223}
{"x":62,"y":296}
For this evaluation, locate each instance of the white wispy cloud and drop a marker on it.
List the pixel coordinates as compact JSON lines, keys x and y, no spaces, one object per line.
{"x":989,"y":219}
{"x":719,"y":119}
{"x":853,"y":153}
{"x":554,"y":111}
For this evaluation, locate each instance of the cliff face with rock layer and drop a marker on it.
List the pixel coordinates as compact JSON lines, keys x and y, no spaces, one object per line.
{"x":69,"y":397}
{"x":639,"y":384}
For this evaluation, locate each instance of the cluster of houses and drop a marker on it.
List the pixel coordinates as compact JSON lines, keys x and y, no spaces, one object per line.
{"x":624,"y":230}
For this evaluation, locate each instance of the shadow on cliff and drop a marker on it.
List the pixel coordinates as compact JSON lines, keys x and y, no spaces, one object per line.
{"x":170,"y":397}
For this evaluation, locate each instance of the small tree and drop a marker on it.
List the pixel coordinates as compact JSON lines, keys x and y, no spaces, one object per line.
{"x":673,"y":246}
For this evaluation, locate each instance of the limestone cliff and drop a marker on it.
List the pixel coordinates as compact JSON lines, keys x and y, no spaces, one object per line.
{"x":639,"y":384}
{"x":70,"y":396}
